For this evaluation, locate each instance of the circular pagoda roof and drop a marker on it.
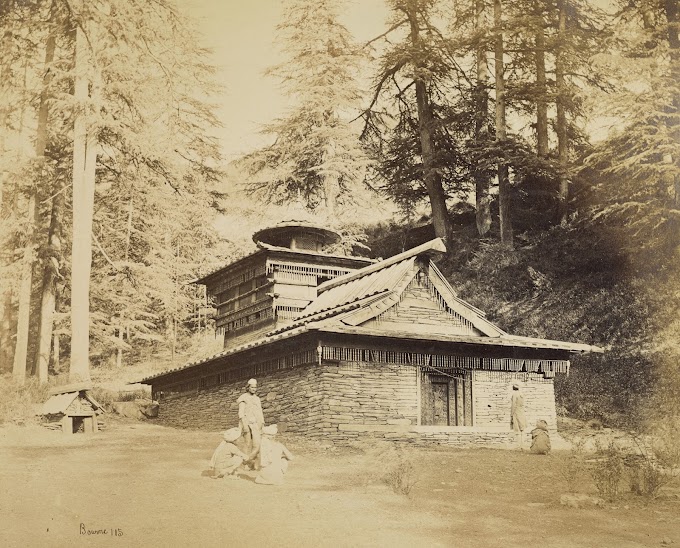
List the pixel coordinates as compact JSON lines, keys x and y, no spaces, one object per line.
{"x":280,"y":235}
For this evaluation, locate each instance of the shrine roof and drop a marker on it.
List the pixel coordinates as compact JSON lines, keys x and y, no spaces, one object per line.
{"x":374,"y":288}
{"x":321,"y":327}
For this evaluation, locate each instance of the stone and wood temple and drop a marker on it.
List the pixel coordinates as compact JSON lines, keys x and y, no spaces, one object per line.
{"x":346,"y":347}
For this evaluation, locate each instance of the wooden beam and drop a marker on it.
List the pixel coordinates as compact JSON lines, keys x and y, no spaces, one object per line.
{"x":430,"y":249}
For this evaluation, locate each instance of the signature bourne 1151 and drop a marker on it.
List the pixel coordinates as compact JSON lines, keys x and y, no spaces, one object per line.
{"x":100,"y":532}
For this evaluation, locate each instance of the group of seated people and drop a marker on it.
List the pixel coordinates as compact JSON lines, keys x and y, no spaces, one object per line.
{"x":271,"y":462}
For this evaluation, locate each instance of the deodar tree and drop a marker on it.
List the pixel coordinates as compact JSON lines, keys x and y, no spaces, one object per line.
{"x":636,"y":195}
{"x":640,"y":160}
{"x":123,"y":118}
{"x":417,"y":155}
{"x":315,"y":153}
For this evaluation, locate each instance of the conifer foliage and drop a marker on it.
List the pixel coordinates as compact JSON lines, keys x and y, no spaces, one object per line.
{"x":315,"y":153}
{"x":639,"y":163}
{"x":116,"y":91}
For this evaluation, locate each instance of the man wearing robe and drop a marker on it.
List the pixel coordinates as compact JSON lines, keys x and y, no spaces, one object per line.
{"x":251,"y":419}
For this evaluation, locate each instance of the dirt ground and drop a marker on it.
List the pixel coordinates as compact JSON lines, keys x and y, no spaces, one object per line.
{"x":139,"y":484}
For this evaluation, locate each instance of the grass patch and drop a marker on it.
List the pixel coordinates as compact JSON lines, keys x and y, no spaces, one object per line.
{"x":19,"y":402}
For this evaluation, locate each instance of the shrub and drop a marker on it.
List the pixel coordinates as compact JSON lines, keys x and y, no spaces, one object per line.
{"x":133,"y":395}
{"x":398,"y":470}
{"x":573,"y":466}
{"x":645,"y":478}
{"x":658,"y":463}
{"x":607,"y":471}
{"x":401,"y":476}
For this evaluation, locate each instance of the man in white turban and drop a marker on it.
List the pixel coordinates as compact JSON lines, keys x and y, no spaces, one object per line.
{"x":274,"y":458}
{"x":227,"y":457}
{"x":251,"y":418}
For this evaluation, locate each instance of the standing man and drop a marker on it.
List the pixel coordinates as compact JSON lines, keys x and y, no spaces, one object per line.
{"x":251,"y":418}
{"x":517,"y":413}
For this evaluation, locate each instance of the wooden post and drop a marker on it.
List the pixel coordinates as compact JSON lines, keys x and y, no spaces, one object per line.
{"x":472,"y":397}
{"x":419,"y":396}
{"x":67,"y":425}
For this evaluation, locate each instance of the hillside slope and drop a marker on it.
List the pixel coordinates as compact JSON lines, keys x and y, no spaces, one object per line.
{"x":579,"y":283}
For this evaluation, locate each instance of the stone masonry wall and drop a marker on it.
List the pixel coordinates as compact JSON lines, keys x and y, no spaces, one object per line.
{"x":367,"y":394}
{"x":492,"y":391}
{"x":311,"y":400}
{"x":290,"y":398}
{"x":454,"y":436}
{"x":351,"y":401}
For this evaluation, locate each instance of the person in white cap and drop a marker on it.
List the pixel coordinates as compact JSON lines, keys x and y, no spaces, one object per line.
{"x":227,"y":457}
{"x":251,"y":418}
{"x":274,"y":458}
{"x":518,"y":419}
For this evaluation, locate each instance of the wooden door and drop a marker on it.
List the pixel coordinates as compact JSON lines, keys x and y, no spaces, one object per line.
{"x":440,"y":391}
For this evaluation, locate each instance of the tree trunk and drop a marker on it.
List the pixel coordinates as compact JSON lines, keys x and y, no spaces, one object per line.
{"x":49,"y":291}
{"x":128,"y":232}
{"x":21,"y":347}
{"x":562,"y":136}
{"x":21,"y":352}
{"x":482,"y":200}
{"x":331,"y":183}
{"x":541,"y":93}
{"x":6,"y":331}
{"x":84,"y":163}
{"x":56,"y":354}
{"x":24,"y":297}
{"x":501,"y":130}
{"x":121,"y":317}
{"x":433,"y":184}
{"x":5,"y":319}
{"x":5,"y":85}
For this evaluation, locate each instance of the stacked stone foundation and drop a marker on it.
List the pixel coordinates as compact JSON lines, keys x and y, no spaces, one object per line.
{"x":344,"y":402}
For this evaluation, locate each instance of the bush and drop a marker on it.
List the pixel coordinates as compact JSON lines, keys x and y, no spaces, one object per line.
{"x":607,"y":471}
{"x":400,"y":475}
{"x":645,"y":478}
{"x":572,"y":468}
{"x":658,"y":464}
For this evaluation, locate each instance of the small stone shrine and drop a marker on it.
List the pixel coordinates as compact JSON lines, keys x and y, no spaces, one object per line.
{"x":71,"y":409}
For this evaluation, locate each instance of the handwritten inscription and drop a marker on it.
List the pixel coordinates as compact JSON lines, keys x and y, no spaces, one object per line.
{"x":112,"y":532}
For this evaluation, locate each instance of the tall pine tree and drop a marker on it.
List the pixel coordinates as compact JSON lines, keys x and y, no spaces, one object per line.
{"x":315,"y":152}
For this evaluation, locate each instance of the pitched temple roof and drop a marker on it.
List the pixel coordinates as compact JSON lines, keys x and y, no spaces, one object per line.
{"x":348,"y":303}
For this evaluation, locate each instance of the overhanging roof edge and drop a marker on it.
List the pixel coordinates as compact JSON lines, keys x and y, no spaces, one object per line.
{"x":509,"y":340}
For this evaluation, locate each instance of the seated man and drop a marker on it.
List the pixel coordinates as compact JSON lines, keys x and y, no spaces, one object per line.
{"x":227,"y":457}
{"x":274,"y":458}
{"x":540,"y":440}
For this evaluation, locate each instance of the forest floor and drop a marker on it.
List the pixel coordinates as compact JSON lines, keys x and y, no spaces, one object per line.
{"x":141,"y":484}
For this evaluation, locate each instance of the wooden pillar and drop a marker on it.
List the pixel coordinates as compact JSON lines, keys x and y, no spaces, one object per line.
{"x":473,"y":419}
{"x":67,"y":425}
{"x":420,"y":396}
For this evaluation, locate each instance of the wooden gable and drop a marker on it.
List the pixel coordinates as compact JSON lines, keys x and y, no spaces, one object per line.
{"x":421,"y":308}
{"x":422,"y":301}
